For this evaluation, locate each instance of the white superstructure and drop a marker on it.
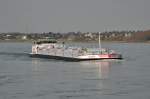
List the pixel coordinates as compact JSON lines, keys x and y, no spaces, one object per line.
{"x":56,"y":50}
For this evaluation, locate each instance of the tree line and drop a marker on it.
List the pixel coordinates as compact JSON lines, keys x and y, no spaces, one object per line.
{"x":128,"y":36}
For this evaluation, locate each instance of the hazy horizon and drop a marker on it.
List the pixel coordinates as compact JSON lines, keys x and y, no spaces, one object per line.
{"x":73,"y":15}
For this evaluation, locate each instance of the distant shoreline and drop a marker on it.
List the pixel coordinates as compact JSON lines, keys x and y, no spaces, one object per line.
{"x":104,"y":41}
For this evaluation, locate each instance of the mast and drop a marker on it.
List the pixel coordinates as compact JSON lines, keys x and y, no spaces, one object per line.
{"x":99,"y":43}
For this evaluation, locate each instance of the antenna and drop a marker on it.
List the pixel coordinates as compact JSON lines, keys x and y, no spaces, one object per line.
{"x":99,"y":42}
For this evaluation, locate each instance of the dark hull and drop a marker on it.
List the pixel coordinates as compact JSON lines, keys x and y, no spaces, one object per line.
{"x":67,"y":58}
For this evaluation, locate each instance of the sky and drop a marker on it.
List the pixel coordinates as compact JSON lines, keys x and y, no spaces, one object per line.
{"x":74,"y":15}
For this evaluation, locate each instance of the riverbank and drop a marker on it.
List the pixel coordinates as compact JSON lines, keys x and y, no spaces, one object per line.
{"x":68,"y":41}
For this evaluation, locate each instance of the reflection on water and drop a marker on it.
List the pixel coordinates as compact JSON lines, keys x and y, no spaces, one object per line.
{"x":74,"y":79}
{"x":100,"y":75}
{"x":102,"y":67}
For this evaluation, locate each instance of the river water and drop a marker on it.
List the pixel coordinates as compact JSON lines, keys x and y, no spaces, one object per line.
{"x":22,"y":77}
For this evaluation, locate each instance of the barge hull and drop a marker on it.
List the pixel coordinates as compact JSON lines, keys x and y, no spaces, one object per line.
{"x":68,"y":58}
